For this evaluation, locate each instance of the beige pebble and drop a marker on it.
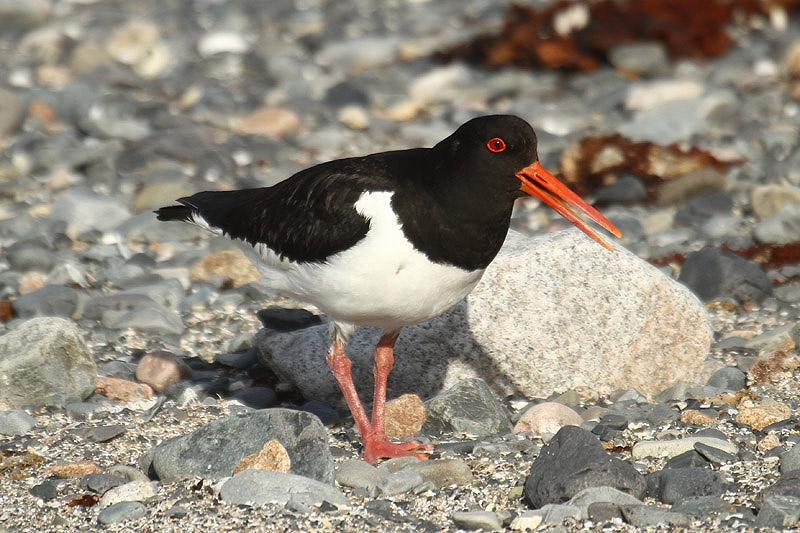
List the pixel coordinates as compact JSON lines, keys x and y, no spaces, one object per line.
{"x":404,"y":416}
{"x":547,"y":417}
{"x":161,"y":369}
{"x":272,"y":456}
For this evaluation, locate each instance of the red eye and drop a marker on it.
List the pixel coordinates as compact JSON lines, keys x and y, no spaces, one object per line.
{"x":496,"y":145}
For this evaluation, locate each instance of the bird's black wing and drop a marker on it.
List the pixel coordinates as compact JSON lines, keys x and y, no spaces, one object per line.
{"x":308,"y":217}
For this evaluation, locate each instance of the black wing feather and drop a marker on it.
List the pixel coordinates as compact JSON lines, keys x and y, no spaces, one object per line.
{"x":307,"y":218}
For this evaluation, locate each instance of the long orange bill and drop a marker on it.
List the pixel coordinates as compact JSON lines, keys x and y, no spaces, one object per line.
{"x":538,"y":182}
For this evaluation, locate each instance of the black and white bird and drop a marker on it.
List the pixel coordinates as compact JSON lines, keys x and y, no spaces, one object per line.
{"x":389,"y":239}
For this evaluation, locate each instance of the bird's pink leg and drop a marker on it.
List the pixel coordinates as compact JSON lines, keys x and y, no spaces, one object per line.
{"x":377,"y":445}
{"x":340,"y":366}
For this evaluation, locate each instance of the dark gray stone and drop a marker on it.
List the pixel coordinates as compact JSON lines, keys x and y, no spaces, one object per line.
{"x":43,"y":357}
{"x":660,"y":413}
{"x":713,"y":273}
{"x":259,"y":487}
{"x":603,"y":512}
{"x":100,"y":483}
{"x":574,"y":460}
{"x":704,"y":506}
{"x":121,"y":512}
{"x":626,"y":189}
{"x":467,"y":408}
{"x":791,"y":460}
{"x":672,"y":484}
{"x":779,"y":511}
{"x":282,"y":319}
{"x":729,"y":378}
{"x":102,"y":433}
{"x":687,"y":459}
{"x":46,"y":490}
{"x":256,"y":397}
{"x":214,"y":450}
{"x":50,"y":300}
{"x":714,"y":455}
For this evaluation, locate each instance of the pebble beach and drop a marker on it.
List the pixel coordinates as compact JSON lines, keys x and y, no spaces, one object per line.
{"x":141,"y":362}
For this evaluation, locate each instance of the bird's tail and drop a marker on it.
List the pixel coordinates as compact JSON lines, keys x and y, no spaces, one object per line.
{"x":175,"y":212}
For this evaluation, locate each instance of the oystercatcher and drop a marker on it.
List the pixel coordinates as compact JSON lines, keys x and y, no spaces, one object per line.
{"x":389,"y":239}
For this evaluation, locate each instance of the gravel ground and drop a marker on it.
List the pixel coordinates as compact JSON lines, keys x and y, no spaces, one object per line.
{"x":109,"y":109}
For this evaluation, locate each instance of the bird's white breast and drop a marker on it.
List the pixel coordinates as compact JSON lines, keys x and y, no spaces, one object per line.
{"x":381,"y":281}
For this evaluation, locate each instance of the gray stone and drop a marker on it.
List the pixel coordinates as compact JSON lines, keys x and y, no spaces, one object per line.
{"x":714,"y":454}
{"x":590,"y":495}
{"x":357,"y":474}
{"x":15,"y":422}
{"x":714,"y":273}
{"x":214,"y":450}
{"x":574,"y":460}
{"x":782,"y":228}
{"x":670,"y":485}
{"x":787,"y":485}
{"x":474,"y":520}
{"x":121,"y":512}
{"x":779,"y":512}
{"x":399,"y":482}
{"x":260,"y":487}
{"x":639,"y":336}
{"x":50,"y":300}
{"x":791,"y":460}
{"x":704,"y":506}
{"x":773,"y":338}
{"x":442,"y":472}
{"x":467,"y":408}
{"x":151,"y":318}
{"x":650,"y":515}
{"x":27,"y":257}
{"x":42,"y":357}
{"x":256,"y":397}
{"x":89,"y":211}
{"x":101,"y":483}
{"x":728,"y":378}
{"x":556,"y":513}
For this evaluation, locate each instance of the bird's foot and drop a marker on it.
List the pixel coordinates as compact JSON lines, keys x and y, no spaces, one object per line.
{"x":382,"y":448}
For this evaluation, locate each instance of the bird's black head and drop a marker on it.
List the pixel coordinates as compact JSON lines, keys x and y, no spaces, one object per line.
{"x":496,"y":157}
{"x":493,"y":149}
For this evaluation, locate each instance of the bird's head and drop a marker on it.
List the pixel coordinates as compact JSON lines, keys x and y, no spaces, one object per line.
{"x":504,"y":147}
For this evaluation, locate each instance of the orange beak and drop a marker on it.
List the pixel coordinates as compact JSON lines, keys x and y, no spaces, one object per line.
{"x":538,"y":182}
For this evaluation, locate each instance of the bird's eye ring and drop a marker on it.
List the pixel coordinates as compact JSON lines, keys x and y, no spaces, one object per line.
{"x":496,"y":145}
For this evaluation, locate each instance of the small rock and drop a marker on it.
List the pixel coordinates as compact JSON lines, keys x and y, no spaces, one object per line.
{"x":671,"y":448}
{"x":15,"y":422}
{"x":782,"y":228}
{"x":592,"y":495}
{"x":267,"y":121}
{"x":219,"y":42}
{"x":791,"y":460}
{"x":259,"y":487}
{"x":133,"y":491}
{"x":405,"y":416}
{"x":399,"y":482}
{"x":50,"y":300}
{"x":230,"y":263}
{"x":356,"y":473}
{"x":68,"y":470}
{"x":639,"y":58}
{"x":160,"y":369}
{"x":768,"y":200}
{"x":714,"y":273}
{"x":272,"y":456}
{"x":467,"y":408}
{"x":256,"y":397}
{"x":122,"y":390}
{"x":693,"y":416}
{"x":690,"y":185}
{"x":121,"y":512}
{"x":101,"y":483}
{"x":214,"y":450}
{"x":764,"y":414}
{"x":474,"y":520}
{"x":42,"y":357}
{"x":102,"y":433}
{"x":672,"y":484}
{"x":650,"y":515}
{"x":547,"y":417}
{"x":442,"y":472}
{"x":779,"y":512}
{"x":573,"y":460}
{"x":729,"y":378}
{"x":704,"y":506}
{"x":46,"y":490}
{"x":713,"y":454}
